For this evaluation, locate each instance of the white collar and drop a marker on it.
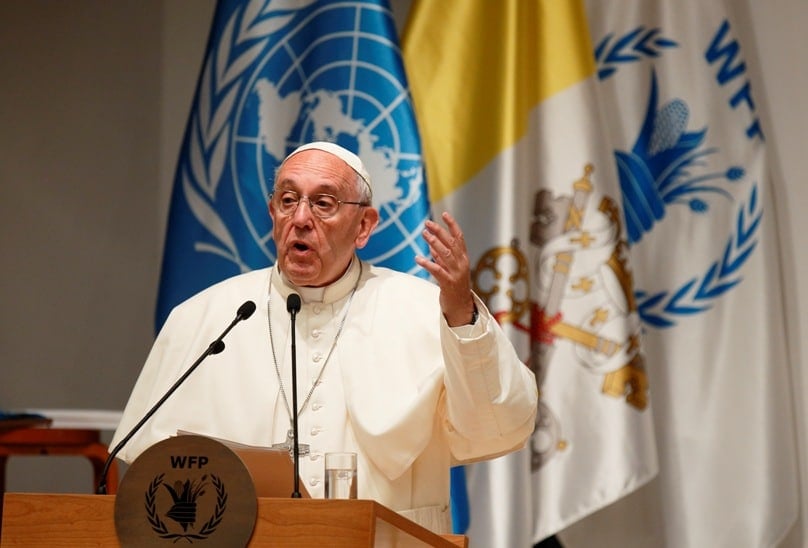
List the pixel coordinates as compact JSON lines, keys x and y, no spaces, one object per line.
{"x":328,"y":294}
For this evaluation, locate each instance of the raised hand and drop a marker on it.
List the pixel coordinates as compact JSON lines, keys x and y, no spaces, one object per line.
{"x":450,"y":267}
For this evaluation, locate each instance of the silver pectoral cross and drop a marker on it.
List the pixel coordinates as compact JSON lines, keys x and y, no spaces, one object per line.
{"x":289,"y":445}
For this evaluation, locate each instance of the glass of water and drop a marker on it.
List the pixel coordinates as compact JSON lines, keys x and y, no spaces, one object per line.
{"x":340,"y":475}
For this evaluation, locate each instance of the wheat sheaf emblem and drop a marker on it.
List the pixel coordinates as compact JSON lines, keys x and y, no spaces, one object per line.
{"x":183,"y":511}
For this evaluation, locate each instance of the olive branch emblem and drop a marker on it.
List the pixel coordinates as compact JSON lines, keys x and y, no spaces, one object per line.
{"x":244,"y":38}
{"x":218,"y":513}
{"x":183,"y":511}
{"x":151,"y":509}
{"x":697,"y":295}
{"x":629,"y":48}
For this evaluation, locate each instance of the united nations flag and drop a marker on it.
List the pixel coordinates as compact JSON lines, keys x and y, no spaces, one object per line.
{"x":276,"y":74}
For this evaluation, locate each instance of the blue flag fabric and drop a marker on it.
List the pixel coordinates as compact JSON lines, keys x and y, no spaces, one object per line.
{"x":461,"y":510}
{"x":277,"y":74}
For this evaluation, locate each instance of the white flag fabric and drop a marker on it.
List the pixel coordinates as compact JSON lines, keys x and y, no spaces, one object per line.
{"x":691,"y":154}
{"x":505,"y":99}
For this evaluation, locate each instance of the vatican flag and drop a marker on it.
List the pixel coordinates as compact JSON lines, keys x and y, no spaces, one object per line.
{"x":683,"y":106}
{"x":504,"y":96}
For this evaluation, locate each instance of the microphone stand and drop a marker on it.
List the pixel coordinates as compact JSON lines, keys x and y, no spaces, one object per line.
{"x":244,"y":312}
{"x":293,"y":307}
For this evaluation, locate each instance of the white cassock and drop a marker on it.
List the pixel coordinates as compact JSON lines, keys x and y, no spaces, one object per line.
{"x":410,"y":395}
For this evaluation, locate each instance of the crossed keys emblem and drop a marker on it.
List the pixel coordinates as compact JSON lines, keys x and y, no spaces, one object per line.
{"x":502,"y":279}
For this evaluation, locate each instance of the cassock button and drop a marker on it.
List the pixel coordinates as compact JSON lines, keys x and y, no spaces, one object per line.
{"x":315,"y":333}
{"x":316,"y":357}
{"x":316,"y":406}
{"x":317,"y":309}
{"x":314,"y":481}
{"x":315,"y":431}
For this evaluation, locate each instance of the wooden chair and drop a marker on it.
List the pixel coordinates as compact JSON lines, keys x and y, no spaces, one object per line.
{"x":56,"y":441}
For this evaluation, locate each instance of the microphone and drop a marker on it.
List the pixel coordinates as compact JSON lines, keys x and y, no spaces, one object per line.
{"x":244,"y":311}
{"x":293,"y":307}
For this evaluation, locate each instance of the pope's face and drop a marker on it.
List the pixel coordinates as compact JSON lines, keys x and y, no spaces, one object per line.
{"x":314,"y":252}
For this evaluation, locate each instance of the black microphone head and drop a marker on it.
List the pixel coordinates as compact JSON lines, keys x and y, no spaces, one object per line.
{"x":246,"y":310}
{"x":217,"y":346}
{"x":293,"y":303}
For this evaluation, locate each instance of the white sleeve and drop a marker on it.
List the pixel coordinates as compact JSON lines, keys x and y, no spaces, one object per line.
{"x":491,"y":396}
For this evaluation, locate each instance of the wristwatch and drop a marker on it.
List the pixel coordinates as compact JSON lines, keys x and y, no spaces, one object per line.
{"x":474,"y":316}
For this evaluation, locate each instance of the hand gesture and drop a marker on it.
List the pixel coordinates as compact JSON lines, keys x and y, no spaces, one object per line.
{"x":450,"y":268}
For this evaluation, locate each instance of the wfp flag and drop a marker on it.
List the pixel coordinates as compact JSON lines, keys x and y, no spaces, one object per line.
{"x":506,"y":105}
{"x":278,"y":74}
{"x":691,"y":153}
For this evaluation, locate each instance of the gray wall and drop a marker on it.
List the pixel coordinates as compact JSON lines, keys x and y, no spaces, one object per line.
{"x":94,"y":96}
{"x":80,"y":151}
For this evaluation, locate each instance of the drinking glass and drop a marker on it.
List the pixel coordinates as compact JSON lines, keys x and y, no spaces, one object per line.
{"x":340,"y":475}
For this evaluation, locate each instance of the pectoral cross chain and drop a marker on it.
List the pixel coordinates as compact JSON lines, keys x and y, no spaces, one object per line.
{"x":289,"y":445}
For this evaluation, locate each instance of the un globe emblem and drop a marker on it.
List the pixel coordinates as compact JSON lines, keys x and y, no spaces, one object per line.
{"x":329,"y":75}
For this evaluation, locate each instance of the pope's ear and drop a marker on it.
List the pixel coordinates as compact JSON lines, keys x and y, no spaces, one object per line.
{"x":370,"y":218}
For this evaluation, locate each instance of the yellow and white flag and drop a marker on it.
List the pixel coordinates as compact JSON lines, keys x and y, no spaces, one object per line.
{"x":505,"y":100}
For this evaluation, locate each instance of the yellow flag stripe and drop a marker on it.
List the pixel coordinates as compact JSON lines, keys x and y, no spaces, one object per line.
{"x":476,"y":68}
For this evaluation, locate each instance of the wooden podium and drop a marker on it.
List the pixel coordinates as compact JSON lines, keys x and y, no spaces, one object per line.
{"x":59,"y":520}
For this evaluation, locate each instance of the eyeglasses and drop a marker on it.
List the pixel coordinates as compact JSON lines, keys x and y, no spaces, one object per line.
{"x":321,"y":205}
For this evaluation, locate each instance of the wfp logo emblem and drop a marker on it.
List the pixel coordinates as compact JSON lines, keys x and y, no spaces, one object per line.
{"x":276,"y":78}
{"x":183,"y":511}
{"x":701,"y":172}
